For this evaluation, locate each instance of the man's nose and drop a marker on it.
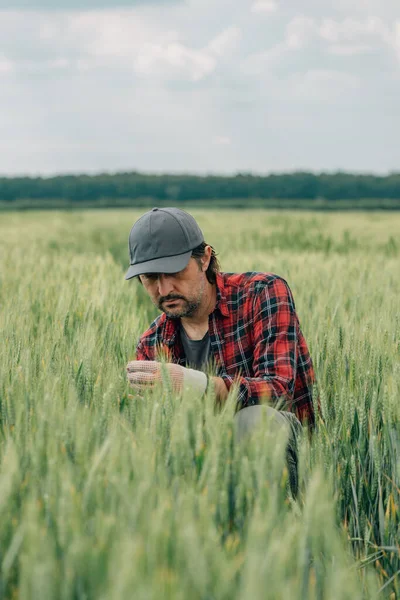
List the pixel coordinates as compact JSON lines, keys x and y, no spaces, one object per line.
{"x":165,"y":286}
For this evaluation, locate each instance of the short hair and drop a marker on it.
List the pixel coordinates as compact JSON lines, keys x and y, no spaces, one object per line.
{"x":214,"y":266}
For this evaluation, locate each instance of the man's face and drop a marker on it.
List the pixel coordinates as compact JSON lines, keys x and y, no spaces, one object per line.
{"x":177,"y":294}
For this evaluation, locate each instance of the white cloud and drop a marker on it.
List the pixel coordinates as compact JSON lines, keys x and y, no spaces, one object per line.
{"x":366,"y":6}
{"x":264,"y":6}
{"x":261,"y":63}
{"x":348,"y":49}
{"x":352,"y":37}
{"x":397,"y":38}
{"x":6,"y":66}
{"x":351,"y":29}
{"x":308,"y":40}
{"x":57,"y":5}
{"x":300,"y":31}
{"x":114,"y":34}
{"x":225,"y":41}
{"x":121,"y":40}
{"x":59,"y":63}
{"x":347,"y":37}
{"x":327,"y":84}
{"x":174,"y":60}
{"x":222,"y":140}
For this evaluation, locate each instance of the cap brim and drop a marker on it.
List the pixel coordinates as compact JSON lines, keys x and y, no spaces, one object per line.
{"x":168,"y":264}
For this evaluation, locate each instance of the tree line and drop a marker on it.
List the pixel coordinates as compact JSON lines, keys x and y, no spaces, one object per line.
{"x":243,"y":189}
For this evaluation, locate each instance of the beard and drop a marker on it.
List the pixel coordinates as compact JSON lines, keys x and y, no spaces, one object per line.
{"x":188,"y":308}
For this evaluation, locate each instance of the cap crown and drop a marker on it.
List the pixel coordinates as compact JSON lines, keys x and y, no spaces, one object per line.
{"x":163,"y":232}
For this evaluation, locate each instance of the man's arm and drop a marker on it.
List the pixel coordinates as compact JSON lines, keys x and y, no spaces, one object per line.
{"x":276,"y":330}
{"x":141,"y":353}
{"x":220,"y":389}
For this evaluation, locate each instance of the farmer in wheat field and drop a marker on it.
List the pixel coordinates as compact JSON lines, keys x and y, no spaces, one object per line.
{"x":244,"y":325}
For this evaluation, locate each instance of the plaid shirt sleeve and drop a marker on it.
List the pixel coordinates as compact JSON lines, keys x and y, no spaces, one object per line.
{"x":141,"y":352}
{"x":276,"y":350}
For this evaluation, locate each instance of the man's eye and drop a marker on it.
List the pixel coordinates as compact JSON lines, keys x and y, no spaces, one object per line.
{"x":151,"y":276}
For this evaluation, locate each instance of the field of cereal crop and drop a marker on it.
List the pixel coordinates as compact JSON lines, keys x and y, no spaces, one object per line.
{"x":104,"y":495}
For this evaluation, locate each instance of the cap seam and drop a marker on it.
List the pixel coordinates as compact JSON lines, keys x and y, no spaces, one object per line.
{"x":180,"y":225}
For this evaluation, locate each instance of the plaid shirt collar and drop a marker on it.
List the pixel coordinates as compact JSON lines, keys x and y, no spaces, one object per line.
{"x":171,"y":326}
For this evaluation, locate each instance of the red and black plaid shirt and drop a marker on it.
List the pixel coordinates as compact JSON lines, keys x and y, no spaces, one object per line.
{"x":256,"y":342}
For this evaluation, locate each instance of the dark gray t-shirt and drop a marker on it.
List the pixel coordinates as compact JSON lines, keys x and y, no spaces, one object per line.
{"x":197,"y":352}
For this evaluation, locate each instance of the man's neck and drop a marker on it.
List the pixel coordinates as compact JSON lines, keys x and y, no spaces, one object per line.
{"x":200,"y":318}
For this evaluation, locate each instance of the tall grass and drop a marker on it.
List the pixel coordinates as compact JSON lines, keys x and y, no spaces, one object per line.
{"x":106,"y":495}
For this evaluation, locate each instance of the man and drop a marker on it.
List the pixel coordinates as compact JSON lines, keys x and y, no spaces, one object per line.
{"x":244,"y":325}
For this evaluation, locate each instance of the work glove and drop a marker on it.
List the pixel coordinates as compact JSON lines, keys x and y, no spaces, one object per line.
{"x":145,"y":374}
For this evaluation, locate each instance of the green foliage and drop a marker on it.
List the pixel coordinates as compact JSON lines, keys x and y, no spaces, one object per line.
{"x":107,"y":495}
{"x":302,"y":190}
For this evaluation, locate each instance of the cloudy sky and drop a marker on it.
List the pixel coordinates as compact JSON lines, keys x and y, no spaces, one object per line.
{"x":199,"y":85}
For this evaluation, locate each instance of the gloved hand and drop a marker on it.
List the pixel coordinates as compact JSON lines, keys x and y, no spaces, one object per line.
{"x":144,"y":374}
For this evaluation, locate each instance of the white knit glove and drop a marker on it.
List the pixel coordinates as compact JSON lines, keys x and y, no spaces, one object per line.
{"x":144,"y":374}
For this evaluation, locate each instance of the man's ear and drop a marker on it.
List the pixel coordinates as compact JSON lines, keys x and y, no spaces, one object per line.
{"x":205,"y":260}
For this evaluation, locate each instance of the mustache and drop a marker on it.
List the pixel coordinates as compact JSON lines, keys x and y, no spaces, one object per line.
{"x":169,"y":298}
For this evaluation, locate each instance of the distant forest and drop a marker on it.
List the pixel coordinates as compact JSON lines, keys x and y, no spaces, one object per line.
{"x":292,"y":190}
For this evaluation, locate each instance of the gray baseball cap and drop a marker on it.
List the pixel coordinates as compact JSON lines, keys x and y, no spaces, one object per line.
{"x":161,"y":241}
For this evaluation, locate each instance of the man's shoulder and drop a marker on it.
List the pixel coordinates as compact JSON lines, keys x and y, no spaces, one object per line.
{"x":155,"y":329}
{"x":249,"y":281}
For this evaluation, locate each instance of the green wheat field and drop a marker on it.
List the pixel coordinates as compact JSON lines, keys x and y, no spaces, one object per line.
{"x":107,"y":496}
